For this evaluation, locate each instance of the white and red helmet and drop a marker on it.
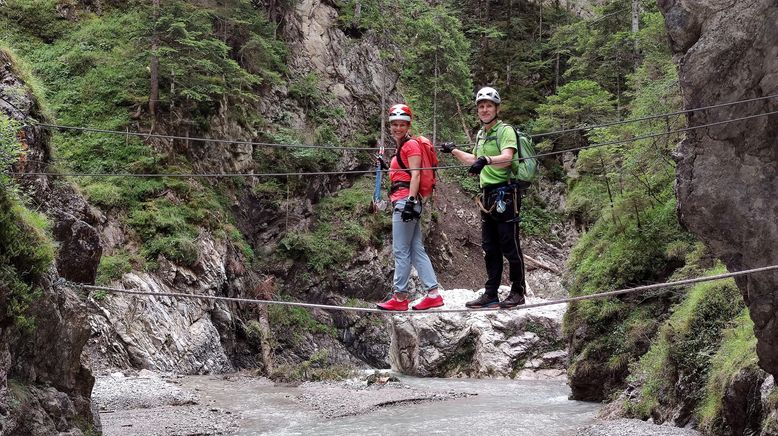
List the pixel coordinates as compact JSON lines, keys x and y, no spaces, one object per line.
{"x":488,"y":93}
{"x":400,"y":112}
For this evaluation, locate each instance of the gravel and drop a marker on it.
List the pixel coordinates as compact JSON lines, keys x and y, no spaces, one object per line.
{"x":334,"y":400}
{"x":150,"y":404}
{"x":169,"y":421}
{"x":635,"y":427}
{"x":146,"y":390}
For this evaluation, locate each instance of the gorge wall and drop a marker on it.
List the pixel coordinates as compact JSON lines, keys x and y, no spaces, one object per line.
{"x":45,"y":388}
{"x":727,"y":175}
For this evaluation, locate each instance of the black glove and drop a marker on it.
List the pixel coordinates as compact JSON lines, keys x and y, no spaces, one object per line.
{"x":409,"y":211}
{"x":447,"y":147}
{"x":476,"y":167}
{"x":382,"y":162}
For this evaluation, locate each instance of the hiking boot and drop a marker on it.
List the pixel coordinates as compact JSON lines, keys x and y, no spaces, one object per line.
{"x":393,"y":304}
{"x":428,"y":303}
{"x":484,"y":300}
{"x":514,"y":299}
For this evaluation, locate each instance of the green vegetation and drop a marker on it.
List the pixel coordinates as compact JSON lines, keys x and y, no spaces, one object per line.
{"x":195,"y":65}
{"x":26,"y":254}
{"x":615,"y":254}
{"x":460,"y":361}
{"x":102,"y":82}
{"x":10,"y":147}
{"x":342,"y":231}
{"x":316,"y":368}
{"x":26,"y":248}
{"x":576,"y":104}
{"x":536,"y":218}
{"x":296,"y":322}
{"x":511,"y":50}
{"x":114,"y":266}
{"x":736,"y":354}
{"x":622,"y":197}
{"x":675,"y":369}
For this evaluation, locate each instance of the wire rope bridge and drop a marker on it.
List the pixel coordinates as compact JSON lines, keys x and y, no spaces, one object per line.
{"x":600,"y":295}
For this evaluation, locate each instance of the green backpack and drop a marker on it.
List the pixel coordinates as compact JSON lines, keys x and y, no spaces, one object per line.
{"x":525,"y":168}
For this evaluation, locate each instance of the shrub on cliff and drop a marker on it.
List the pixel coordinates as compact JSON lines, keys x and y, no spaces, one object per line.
{"x":673,"y":374}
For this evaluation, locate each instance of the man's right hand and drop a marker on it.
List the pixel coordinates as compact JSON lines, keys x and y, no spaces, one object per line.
{"x":447,"y":147}
{"x":477,"y":166}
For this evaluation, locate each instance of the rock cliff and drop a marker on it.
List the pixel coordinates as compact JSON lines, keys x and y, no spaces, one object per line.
{"x":44,"y":386}
{"x":727,"y":175}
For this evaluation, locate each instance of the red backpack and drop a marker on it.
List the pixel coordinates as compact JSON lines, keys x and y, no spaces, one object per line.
{"x":429,"y":161}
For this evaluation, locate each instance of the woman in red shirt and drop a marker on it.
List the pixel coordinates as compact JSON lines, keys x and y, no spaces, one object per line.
{"x":407,"y":243}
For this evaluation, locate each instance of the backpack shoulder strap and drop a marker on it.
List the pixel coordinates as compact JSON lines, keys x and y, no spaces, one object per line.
{"x":478,"y":137}
{"x":399,"y":156}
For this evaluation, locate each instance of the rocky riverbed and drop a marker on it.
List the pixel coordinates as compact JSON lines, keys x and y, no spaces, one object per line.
{"x":148,"y":403}
{"x":154,"y":404}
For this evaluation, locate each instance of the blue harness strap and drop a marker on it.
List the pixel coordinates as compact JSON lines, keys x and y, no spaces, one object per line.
{"x":377,"y":191}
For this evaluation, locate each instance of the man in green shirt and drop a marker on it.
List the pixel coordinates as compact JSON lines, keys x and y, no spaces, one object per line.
{"x":500,"y":200}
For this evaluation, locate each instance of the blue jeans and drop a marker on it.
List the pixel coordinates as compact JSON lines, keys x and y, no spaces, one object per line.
{"x":408,"y":249}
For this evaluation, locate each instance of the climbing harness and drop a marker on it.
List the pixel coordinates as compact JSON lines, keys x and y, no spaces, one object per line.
{"x":496,"y":198}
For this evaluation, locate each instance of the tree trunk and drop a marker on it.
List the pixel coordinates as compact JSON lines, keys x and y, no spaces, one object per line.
{"x":540,"y":20}
{"x":357,"y":14}
{"x":435,"y":103}
{"x":264,"y":339}
{"x":154,"y":68}
{"x":635,"y":29}
{"x":556,"y":74}
{"x":265,"y":291}
{"x":607,"y":185}
{"x":637,"y":214}
{"x":464,"y":124}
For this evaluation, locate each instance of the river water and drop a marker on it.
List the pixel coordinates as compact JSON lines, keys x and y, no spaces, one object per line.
{"x":501,"y":407}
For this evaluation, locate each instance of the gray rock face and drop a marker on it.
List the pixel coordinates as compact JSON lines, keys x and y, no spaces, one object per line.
{"x":728,"y":174}
{"x":487,"y":344}
{"x":163,"y":333}
{"x":44,"y":388}
{"x":742,"y":406}
{"x":348,"y":69}
{"x":80,"y":247}
{"x":79,"y":251}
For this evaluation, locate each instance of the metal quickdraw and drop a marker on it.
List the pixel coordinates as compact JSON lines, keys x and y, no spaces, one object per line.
{"x":499,"y":204}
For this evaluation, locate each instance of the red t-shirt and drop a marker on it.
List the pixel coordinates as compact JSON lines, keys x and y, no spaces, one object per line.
{"x":409,"y":148}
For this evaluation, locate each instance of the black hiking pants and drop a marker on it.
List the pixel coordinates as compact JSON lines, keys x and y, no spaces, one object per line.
{"x":500,"y":238}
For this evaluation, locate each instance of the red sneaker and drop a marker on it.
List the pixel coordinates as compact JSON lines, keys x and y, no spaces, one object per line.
{"x":393,"y":304}
{"x":429,"y":303}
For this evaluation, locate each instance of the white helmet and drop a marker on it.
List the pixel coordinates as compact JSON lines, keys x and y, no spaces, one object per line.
{"x":487,"y":93}
{"x":400,"y":112}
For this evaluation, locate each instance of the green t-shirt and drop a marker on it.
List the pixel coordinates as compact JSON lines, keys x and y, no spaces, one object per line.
{"x":486,"y":144}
